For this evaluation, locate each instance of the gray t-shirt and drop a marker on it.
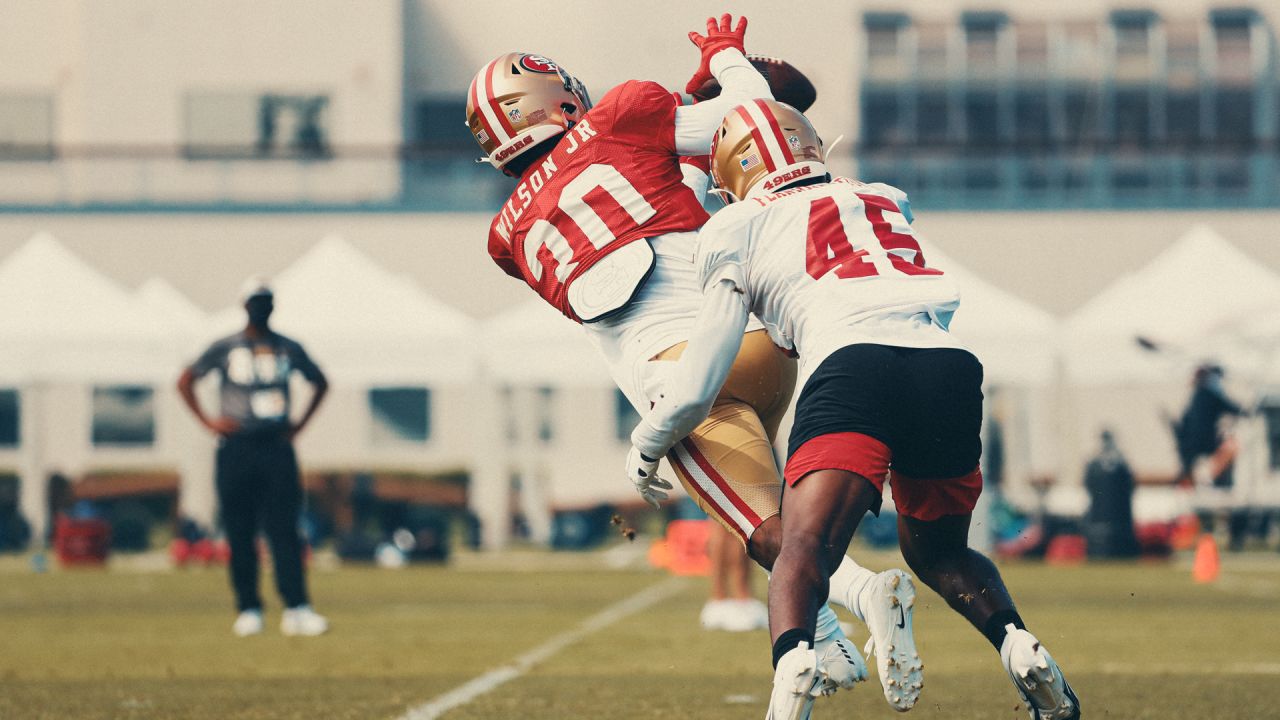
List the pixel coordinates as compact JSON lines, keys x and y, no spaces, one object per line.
{"x":254,"y":375}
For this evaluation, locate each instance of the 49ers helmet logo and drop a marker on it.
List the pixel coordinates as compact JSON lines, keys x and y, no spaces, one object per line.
{"x":538,"y":64}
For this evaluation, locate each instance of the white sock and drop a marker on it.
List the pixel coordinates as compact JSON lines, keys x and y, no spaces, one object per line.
{"x":847,"y":584}
{"x":828,"y":624}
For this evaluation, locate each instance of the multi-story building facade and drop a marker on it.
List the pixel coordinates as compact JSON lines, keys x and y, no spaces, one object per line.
{"x":1130,"y":108}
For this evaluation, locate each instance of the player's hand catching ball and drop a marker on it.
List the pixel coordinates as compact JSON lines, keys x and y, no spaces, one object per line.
{"x":786,"y":82}
{"x":720,"y":36}
{"x":643,"y":473}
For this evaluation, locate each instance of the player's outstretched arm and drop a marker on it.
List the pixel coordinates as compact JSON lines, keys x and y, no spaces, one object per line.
{"x":690,"y":390}
{"x":698,"y":374}
{"x":722,"y":57}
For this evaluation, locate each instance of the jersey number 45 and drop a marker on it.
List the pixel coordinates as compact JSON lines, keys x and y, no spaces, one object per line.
{"x":829,"y":250}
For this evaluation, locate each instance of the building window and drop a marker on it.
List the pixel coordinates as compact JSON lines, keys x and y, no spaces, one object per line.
{"x":544,"y":413}
{"x":982,"y":44}
{"x":124,"y":415}
{"x":244,"y":125}
{"x":1132,"y":45}
{"x":439,"y":125}
{"x":26,"y":127}
{"x":932,"y":115}
{"x":625,"y":416}
{"x":1233,"y":61}
{"x":511,"y":423}
{"x":1233,"y":116}
{"x":1132,"y":116}
{"x":881,"y":119}
{"x":400,"y":415}
{"x":982,"y":118}
{"x":1031,"y":117}
{"x":10,"y":418}
{"x":1182,"y":117}
{"x":1080,"y":115}
{"x":885,"y":61}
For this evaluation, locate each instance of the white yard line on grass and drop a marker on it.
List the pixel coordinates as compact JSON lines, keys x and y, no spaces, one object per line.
{"x":482,"y":684}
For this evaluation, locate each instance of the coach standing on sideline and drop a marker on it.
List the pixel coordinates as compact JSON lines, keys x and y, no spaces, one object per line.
{"x":256,"y":470}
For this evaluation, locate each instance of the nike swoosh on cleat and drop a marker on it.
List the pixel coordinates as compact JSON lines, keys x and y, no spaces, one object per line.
{"x":902,"y":618}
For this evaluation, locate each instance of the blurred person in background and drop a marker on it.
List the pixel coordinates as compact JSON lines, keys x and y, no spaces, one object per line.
{"x":1199,"y":433}
{"x":1207,"y":453}
{"x":1109,"y":523}
{"x":732,"y":605}
{"x":256,"y":468}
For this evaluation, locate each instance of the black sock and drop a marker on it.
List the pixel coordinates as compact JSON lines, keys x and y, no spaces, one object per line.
{"x":788,"y":641}
{"x":994,"y":629}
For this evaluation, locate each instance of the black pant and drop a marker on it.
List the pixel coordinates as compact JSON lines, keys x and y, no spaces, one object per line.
{"x":259,"y":486}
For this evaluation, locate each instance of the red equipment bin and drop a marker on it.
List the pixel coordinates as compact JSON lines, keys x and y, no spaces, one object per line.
{"x":81,"y":542}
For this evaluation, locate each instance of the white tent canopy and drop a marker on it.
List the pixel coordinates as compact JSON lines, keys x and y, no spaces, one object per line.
{"x":1015,"y":340}
{"x":184,"y":320}
{"x":170,"y":304}
{"x":363,"y":323}
{"x":63,"y":319}
{"x":1201,"y":282}
{"x":533,"y":344}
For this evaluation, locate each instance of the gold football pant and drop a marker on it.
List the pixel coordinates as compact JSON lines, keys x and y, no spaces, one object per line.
{"x":727,"y":464}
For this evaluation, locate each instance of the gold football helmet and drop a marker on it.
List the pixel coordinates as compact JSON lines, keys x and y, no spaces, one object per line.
{"x":762,"y":145}
{"x":519,"y":100}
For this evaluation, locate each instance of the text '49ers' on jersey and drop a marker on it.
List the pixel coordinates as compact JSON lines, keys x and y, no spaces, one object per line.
{"x":613,"y":179}
{"x":830,"y":265}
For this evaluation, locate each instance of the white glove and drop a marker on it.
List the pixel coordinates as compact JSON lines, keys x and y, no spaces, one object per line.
{"x":643,"y":473}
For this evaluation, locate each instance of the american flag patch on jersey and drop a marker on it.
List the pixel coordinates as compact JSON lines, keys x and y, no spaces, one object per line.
{"x":749,"y":161}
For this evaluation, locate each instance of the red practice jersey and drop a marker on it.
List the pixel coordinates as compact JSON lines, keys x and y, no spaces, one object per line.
{"x":612,"y":180}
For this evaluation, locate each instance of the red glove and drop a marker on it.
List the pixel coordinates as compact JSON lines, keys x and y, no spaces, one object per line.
{"x":720,"y":36}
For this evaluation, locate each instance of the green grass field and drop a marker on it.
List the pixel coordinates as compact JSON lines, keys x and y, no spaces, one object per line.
{"x":1137,"y":641}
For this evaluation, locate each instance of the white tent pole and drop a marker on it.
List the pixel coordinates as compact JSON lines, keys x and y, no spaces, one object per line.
{"x":489,"y":496}
{"x":533,"y":495}
{"x":34,"y":489}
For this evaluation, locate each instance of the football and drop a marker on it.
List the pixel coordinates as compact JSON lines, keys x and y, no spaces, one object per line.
{"x":788,"y":84}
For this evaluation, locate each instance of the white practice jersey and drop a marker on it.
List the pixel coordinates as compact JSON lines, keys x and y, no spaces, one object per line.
{"x":830,"y":265}
{"x":662,"y":312}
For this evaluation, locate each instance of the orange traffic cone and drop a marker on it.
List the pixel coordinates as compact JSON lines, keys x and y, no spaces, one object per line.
{"x":1206,"y":566}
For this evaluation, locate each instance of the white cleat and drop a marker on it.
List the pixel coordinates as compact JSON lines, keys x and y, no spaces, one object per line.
{"x":713,"y":615}
{"x":303,"y":621}
{"x":248,"y":623}
{"x":840,"y":665}
{"x":1044,"y":690}
{"x":746,"y":615}
{"x":888,"y":610}
{"x":795,"y":684}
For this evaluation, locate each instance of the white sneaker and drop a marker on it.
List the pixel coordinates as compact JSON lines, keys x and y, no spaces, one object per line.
{"x":745,"y":615}
{"x":795,"y":683}
{"x":304,"y":621}
{"x":1044,"y":690}
{"x":713,"y":614}
{"x":840,"y":665}
{"x":248,"y":623}
{"x":887,"y":603}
